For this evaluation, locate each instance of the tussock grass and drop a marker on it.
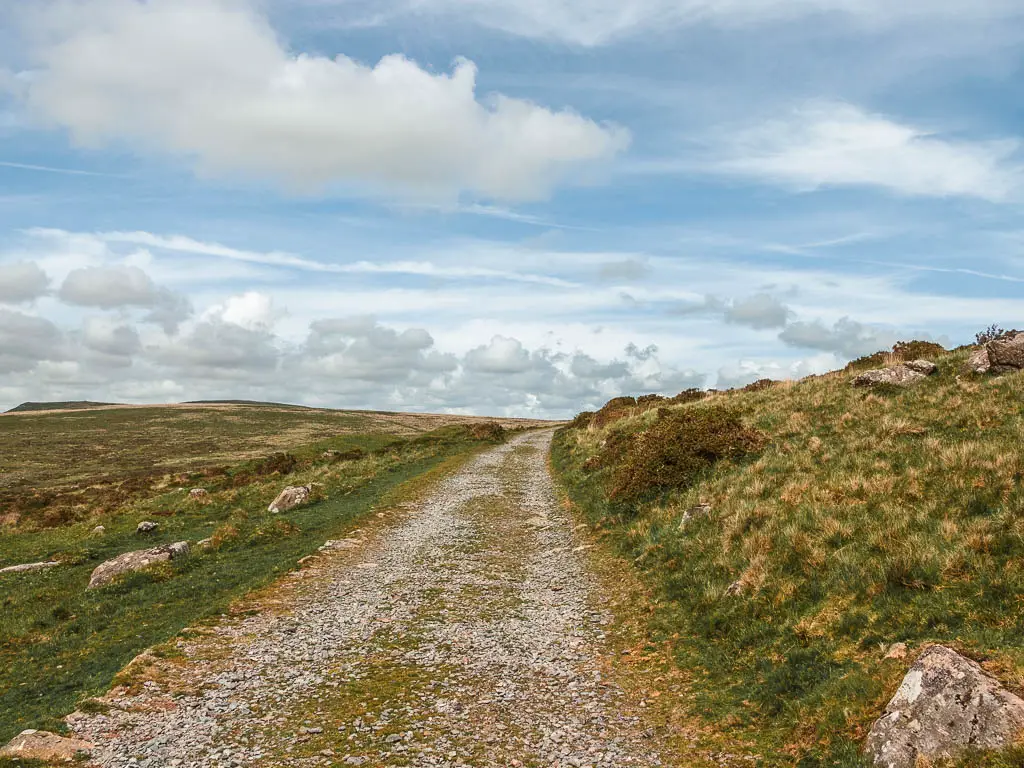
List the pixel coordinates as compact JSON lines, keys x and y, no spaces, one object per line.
{"x":862,"y":520}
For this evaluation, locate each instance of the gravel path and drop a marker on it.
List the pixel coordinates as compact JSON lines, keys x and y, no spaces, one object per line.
{"x":465,"y":634}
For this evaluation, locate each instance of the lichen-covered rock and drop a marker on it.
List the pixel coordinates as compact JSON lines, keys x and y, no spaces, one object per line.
{"x":978,"y":362}
{"x":198,"y":493}
{"x":699,"y":510}
{"x":136,"y":561}
{"x":46,"y":747}
{"x":25,"y":567}
{"x":289,"y":498}
{"x":898,"y":376}
{"x":1006,"y":355}
{"x":946,"y":705}
{"x":927,"y":367}
{"x":146,"y":526}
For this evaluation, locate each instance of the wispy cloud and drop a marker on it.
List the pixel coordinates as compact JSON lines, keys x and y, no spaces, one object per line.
{"x":291,"y":261}
{"x":51,"y":169}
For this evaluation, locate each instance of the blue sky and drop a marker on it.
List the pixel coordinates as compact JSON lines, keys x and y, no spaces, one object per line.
{"x":511,"y":208}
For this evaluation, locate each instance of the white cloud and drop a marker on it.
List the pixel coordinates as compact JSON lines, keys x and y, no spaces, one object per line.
{"x":501,"y":355}
{"x":241,"y":103}
{"x":595,"y":22}
{"x":251,"y":310}
{"x":111,"y":287}
{"x":22,"y":281}
{"x":846,"y":338}
{"x":110,"y":337}
{"x":837,"y":144}
{"x":762,"y":310}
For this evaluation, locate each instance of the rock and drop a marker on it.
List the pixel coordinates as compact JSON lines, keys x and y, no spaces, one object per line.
{"x":136,"y":561}
{"x":898,"y":375}
{"x":204,"y":543}
{"x":198,"y":493}
{"x":146,"y":526}
{"x":734,"y":589}
{"x":289,"y":498}
{"x":698,"y":510}
{"x":896,"y":651}
{"x":978,"y":362}
{"x":29,"y":567}
{"x":1006,"y":355}
{"x":926,"y":367}
{"x":99,"y":530}
{"x":946,"y":705}
{"x":46,"y":747}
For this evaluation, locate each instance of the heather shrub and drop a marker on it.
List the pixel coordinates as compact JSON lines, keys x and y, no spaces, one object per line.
{"x":675,"y":450}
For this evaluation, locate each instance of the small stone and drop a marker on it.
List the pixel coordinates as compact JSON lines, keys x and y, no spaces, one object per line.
{"x":896,"y":651}
{"x":46,"y":747}
{"x":926,"y":367}
{"x":897,"y":376}
{"x":146,"y":526}
{"x":24,"y":567}
{"x":289,"y":498}
{"x":198,"y":493}
{"x":99,"y":530}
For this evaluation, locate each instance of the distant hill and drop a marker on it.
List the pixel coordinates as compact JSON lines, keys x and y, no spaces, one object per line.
{"x":246,"y":402}
{"x":69,"y":405}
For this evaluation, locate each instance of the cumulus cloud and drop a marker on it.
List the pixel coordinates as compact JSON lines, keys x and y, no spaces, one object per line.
{"x":214,"y":349}
{"x":251,"y":310}
{"x":26,"y":340}
{"x":501,"y":355}
{"x":110,"y":337}
{"x":242,"y":103}
{"x":124,"y":286}
{"x":760,"y":311}
{"x":838,"y":144}
{"x":22,"y":281}
{"x":846,"y":338}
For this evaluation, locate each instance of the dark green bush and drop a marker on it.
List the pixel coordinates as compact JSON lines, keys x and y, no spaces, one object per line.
{"x":916,"y":350}
{"x":675,"y":450}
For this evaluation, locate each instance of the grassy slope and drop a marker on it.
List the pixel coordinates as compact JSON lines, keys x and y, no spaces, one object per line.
{"x":60,"y":643}
{"x":868,"y":518}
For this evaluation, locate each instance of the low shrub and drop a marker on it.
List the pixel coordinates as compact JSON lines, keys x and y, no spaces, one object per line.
{"x":272,"y":530}
{"x":691,"y":395}
{"x":489,"y":431}
{"x":757,"y":386}
{"x":615,"y":409}
{"x":917,"y":350}
{"x":675,"y":450}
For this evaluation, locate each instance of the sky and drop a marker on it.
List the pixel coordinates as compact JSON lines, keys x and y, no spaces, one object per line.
{"x":484,"y":206}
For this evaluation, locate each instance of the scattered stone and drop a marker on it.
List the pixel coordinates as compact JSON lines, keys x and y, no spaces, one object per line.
{"x":289,"y":498}
{"x":926,"y":367}
{"x":99,"y":530}
{"x":734,"y":589}
{"x":146,"y":526}
{"x":30,"y":567}
{"x":978,"y":362}
{"x":699,"y":510}
{"x":198,"y":493}
{"x":136,"y":561}
{"x":898,"y":376}
{"x":945,"y":705}
{"x":1006,"y":355}
{"x":896,"y":651}
{"x":46,"y":747}
{"x":204,"y":543}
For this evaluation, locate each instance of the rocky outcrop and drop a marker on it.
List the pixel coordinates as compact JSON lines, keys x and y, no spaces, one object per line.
{"x":146,"y":526}
{"x":25,"y":567}
{"x":946,"y":705}
{"x":45,"y":747}
{"x":136,"y":561}
{"x":902,"y":375}
{"x":1004,"y":355}
{"x":289,"y":498}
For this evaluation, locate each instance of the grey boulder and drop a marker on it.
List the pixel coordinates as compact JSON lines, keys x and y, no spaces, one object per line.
{"x":146,"y":526}
{"x":1007,"y":355}
{"x":136,"y":561}
{"x":946,"y":705}
{"x":898,"y":376}
{"x":289,"y":498}
{"x":927,"y":367}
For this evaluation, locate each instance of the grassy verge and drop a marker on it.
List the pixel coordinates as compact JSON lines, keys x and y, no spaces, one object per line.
{"x":837,"y":522}
{"x":60,"y":643}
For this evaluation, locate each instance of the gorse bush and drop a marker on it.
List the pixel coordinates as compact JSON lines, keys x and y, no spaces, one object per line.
{"x":901,"y":351}
{"x":674,"y":450}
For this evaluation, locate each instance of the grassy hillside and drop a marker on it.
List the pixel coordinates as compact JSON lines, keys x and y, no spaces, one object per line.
{"x":60,"y":643}
{"x":57,"y":467}
{"x":791,"y":532}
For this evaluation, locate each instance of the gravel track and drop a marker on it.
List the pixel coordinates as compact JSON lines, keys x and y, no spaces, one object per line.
{"x":465,"y":634}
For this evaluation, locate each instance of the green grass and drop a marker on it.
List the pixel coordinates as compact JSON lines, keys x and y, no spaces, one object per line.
{"x":59,"y":467}
{"x":60,"y":643}
{"x":863,"y":519}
